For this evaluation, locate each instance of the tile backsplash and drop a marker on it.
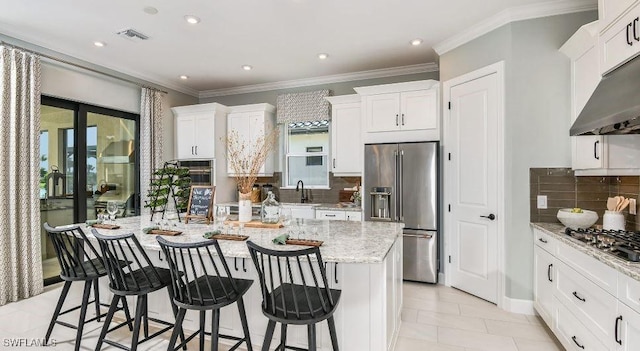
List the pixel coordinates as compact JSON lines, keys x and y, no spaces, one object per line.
{"x":328,"y":196}
{"x":564,"y":190}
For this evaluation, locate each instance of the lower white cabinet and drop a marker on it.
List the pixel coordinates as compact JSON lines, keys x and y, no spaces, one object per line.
{"x":305,"y":212}
{"x":587,"y":304}
{"x":355,"y":216}
{"x":338,"y":215}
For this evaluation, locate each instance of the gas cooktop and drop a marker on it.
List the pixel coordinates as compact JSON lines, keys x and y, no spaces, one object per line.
{"x":620,"y":243}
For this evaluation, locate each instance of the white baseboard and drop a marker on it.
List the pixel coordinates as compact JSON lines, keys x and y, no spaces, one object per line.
{"x":441,"y":278}
{"x":519,"y":306}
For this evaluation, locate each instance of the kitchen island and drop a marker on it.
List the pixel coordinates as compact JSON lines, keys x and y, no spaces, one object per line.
{"x":363,"y":259}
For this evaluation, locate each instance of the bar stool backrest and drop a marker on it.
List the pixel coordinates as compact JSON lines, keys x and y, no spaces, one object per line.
{"x":197,"y":277}
{"x":124,"y":255}
{"x":292,"y":270}
{"x":71,"y":244}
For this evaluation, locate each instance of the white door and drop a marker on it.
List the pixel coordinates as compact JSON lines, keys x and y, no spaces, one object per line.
{"x":418,"y":110}
{"x":205,"y":136}
{"x":383,"y":112}
{"x":628,"y":323}
{"x":185,"y":129}
{"x":473,"y":184}
{"x":543,"y":280}
{"x":346,"y":143}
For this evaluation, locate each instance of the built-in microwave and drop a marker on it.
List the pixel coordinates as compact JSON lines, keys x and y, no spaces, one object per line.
{"x":202,"y":172}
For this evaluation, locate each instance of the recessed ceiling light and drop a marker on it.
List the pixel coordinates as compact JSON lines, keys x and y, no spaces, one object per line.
{"x":99,"y":44}
{"x":183,"y":77}
{"x":416,"y":42}
{"x":247,"y":67}
{"x":323,"y":56}
{"x":192,"y":19}
{"x":150,"y":10}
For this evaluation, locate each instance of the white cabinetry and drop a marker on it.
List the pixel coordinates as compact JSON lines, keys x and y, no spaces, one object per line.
{"x":194,"y":130}
{"x":400,"y":112}
{"x":347,"y":150}
{"x":611,"y":10}
{"x":355,"y":216}
{"x":252,"y":122}
{"x":339,"y":215}
{"x":301,"y":211}
{"x":621,"y":41}
{"x":592,"y":307}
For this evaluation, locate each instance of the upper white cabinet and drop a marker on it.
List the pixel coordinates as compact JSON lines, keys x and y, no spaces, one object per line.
{"x":346,"y":141}
{"x":401,"y":112}
{"x":620,"y":42}
{"x":252,"y":122}
{"x":194,"y":130}
{"x":611,"y":10}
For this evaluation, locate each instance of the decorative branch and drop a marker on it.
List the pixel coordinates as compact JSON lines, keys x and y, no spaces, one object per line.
{"x":246,"y":158}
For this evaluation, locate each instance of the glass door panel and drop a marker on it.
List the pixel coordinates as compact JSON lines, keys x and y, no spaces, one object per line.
{"x":111,"y":164}
{"x":57,"y":179}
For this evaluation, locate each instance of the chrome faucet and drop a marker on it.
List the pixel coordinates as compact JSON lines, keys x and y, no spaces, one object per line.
{"x":300,"y":186}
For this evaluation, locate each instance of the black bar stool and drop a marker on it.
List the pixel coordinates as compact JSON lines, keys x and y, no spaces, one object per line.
{"x":138,"y":277}
{"x":294,"y":291}
{"x":211,"y":289}
{"x":76,"y":264}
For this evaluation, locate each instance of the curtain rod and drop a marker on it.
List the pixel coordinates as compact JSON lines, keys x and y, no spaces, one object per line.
{"x":79,"y":66}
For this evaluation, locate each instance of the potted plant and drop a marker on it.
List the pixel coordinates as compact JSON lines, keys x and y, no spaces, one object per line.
{"x":245,"y":159}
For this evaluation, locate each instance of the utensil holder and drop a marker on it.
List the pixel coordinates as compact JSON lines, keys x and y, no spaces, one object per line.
{"x":613,"y":220}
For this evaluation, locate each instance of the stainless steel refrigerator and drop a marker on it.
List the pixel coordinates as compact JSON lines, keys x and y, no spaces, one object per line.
{"x":401,"y":185}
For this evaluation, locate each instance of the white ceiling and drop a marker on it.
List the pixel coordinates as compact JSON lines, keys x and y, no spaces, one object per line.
{"x":279,"y":38}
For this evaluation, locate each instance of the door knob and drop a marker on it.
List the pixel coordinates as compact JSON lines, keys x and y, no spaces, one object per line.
{"x":491,"y":216}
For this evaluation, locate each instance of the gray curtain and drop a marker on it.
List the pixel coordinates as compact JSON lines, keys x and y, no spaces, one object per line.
{"x":20,"y":255}
{"x":150,"y":138}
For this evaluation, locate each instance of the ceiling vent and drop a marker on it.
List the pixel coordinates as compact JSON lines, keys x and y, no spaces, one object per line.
{"x":132,"y":34}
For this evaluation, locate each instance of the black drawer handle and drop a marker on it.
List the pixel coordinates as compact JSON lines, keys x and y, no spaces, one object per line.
{"x":542,"y":240}
{"x":575,"y":293}
{"x":576,"y":341}
{"x":618,"y":320}
{"x":629,"y":42}
{"x":595,"y":150}
{"x":335,"y":272}
{"x":244,"y":266}
{"x":549,"y":272}
{"x":635,"y":32}
{"x":235,"y":263}
{"x":329,"y":215}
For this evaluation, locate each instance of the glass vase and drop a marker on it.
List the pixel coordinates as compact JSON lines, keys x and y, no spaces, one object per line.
{"x":244,"y":207}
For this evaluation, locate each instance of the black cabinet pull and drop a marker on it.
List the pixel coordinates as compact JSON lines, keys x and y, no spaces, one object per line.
{"x":549,"y":272}
{"x":595,"y":150}
{"x":160,"y":256}
{"x":629,"y":42}
{"x":244,"y":267}
{"x":329,"y":215}
{"x":403,"y":119}
{"x":542,"y":240}
{"x":196,"y":149}
{"x":192,"y":150}
{"x":635,"y":26}
{"x":334,"y":163}
{"x":575,"y":293}
{"x":235,"y":263}
{"x":576,"y":341}
{"x":618,"y":320}
{"x":335,"y":272}
{"x":397,"y":119}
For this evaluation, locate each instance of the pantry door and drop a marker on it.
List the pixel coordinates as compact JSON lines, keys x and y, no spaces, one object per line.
{"x":473,"y":174}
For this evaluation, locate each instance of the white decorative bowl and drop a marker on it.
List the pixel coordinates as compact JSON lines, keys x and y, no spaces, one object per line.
{"x":577,"y":220}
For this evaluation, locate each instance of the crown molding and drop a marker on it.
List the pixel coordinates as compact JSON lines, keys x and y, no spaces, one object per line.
{"x":336,"y":78}
{"x":514,"y":14}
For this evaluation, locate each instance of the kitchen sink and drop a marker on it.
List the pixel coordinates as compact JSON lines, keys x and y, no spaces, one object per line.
{"x":298,"y":204}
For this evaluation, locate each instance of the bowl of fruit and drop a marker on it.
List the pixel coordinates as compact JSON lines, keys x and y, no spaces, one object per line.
{"x":577,"y":218}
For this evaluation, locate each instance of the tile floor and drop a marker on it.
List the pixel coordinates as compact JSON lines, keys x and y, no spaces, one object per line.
{"x":434,"y":318}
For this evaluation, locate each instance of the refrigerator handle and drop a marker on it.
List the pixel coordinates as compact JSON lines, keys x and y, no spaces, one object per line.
{"x":401,"y":182}
{"x":396,"y":216}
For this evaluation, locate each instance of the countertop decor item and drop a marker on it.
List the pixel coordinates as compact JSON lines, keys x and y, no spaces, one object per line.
{"x":245,"y":158}
{"x":168,"y":181}
{"x":576,"y":219}
{"x":304,"y":242}
{"x":255,"y":224}
{"x":613,"y":220}
{"x":270,"y":212}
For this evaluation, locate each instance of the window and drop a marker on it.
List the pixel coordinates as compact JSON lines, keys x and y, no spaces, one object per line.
{"x":307,"y":145}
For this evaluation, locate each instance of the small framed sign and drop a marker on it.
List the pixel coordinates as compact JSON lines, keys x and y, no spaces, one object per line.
{"x":200,"y":205}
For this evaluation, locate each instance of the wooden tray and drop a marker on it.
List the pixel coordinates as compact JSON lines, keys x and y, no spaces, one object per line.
{"x":230,"y":237}
{"x":256,"y":224}
{"x":164,"y":232}
{"x":304,"y":242}
{"x":105,"y":226}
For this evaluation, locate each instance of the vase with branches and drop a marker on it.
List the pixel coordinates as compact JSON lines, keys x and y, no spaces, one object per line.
{"x":246,"y":158}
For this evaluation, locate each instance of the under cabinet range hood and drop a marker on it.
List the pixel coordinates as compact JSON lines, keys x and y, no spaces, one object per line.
{"x":122,"y":151}
{"x":614,"y":107}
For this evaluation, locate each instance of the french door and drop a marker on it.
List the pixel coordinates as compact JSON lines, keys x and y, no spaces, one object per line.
{"x":88,"y":156}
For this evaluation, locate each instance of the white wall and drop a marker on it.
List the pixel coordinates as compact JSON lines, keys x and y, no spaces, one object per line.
{"x":536,"y":121}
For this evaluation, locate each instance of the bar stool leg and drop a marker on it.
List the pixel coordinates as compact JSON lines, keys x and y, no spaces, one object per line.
{"x":127,"y":314}
{"x":177,"y":329}
{"x":138,"y":321}
{"x":268,"y":336}
{"x":332,"y":333}
{"x":146,"y":318}
{"x":96,"y":298}
{"x":56,"y":313}
{"x":215,"y":328}
{"x":245,"y":325}
{"x":202,"y":324}
{"x":174,"y":308}
{"x":112,"y":310}
{"x":83,"y":312}
{"x":311,"y":332}
{"x":283,"y":337}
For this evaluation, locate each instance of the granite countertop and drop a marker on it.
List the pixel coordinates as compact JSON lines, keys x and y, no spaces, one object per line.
{"x":556,"y":230}
{"x":325,"y":207}
{"x":344,"y":241}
